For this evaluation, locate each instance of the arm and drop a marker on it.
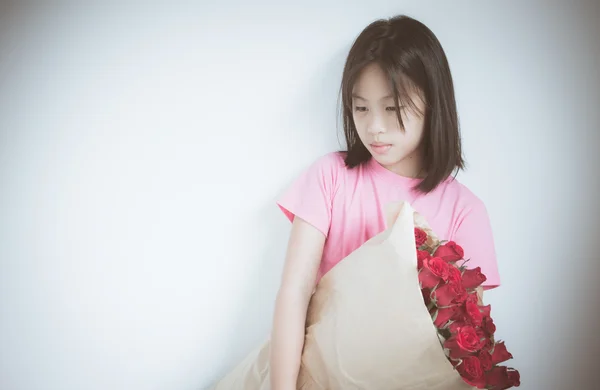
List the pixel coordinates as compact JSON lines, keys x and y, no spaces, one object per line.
{"x":474,"y":235}
{"x":303,"y":257}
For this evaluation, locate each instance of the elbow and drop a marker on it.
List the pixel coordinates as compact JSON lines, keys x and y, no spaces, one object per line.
{"x":293,"y":295}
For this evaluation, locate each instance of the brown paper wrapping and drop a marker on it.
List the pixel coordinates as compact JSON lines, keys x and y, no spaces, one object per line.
{"x":367,"y":325}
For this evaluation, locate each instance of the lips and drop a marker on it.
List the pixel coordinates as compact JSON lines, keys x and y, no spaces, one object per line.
{"x":381,"y":148}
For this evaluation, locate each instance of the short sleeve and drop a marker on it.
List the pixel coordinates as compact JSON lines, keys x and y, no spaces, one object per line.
{"x":474,"y":235}
{"x":310,"y":196}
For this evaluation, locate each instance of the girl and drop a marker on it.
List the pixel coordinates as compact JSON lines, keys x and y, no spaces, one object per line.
{"x":403,"y":143}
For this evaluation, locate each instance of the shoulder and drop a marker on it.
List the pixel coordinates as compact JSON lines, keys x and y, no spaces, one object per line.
{"x":330,"y":167}
{"x":332,"y":161}
{"x":465,"y":201}
{"x":324,"y":174}
{"x":311,"y":195}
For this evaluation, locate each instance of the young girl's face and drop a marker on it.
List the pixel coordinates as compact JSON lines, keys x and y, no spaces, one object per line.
{"x":376,"y":121}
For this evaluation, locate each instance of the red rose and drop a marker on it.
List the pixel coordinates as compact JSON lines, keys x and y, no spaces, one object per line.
{"x":433,"y":272}
{"x":426,"y":296}
{"x":486,"y":310}
{"x":497,"y":376}
{"x":420,"y":236}
{"x":514,"y":378}
{"x":501,"y":378}
{"x":473,"y":298}
{"x":500,"y":353}
{"x":454,"y":275}
{"x":450,"y":251}
{"x":468,"y":339}
{"x":488,"y":344}
{"x":461,"y":294}
{"x":489,"y":326}
{"x":456,"y":325}
{"x":485,"y":358}
{"x":427,"y":279}
{"x":473,"y":313}
{"x":471,"y":372}
{"x":473,"y":278}
{"x":449,"y":293}
{"x":463,"y":343}
{"x":421,"y":256}
{"x":438,"y":266}
{"x":444,"y":315}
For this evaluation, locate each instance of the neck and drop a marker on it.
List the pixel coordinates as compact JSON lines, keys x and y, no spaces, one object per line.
{"x":410,"y":166}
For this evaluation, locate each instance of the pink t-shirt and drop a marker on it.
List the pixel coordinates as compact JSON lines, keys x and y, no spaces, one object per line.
{"x":347,"y":205}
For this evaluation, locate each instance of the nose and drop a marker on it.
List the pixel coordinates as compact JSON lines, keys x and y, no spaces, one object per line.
{"x":375,"y":124}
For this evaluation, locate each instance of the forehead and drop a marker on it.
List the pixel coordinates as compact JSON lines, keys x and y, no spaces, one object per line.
{"x":372,"y":83}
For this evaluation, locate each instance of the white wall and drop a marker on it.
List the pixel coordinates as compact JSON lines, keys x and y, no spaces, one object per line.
{"x":142,"y":148}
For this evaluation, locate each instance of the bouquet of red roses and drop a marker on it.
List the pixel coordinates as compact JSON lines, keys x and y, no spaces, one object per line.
{"x":392,"y":317}
{"x":464,"y":325}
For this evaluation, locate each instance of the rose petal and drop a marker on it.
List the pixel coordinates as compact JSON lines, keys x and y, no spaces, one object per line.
{"x":450,"y":252}
{"x":500,"y":353}
{"x":473,"y":278}
{"x":420,"y":236}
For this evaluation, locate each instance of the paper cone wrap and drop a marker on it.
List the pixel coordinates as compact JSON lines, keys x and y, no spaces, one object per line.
{"x":367,"y":324}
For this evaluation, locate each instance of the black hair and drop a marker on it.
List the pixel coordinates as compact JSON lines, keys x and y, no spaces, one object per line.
{"x":412,"y":57}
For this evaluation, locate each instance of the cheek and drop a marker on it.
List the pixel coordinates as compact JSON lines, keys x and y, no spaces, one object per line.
{"x":407,"y":136}
{"x":414,"y":132}
{"x":392,"y":123}
{"x":361,"y":128}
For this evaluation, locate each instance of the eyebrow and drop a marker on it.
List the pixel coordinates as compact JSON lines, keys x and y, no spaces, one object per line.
{"x":362,"y":98}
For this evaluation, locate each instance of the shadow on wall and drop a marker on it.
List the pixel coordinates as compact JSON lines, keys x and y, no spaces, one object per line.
{"x":8,"y":19}
{"x":253,"y":316}
{"x":315,"y":114}
{"x":255,"y":313}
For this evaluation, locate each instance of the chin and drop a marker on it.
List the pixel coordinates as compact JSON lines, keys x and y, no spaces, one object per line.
{"x":387,"y":159}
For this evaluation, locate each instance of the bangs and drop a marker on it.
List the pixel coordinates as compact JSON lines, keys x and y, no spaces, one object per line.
{"x":406,"y":92}
{"x":407,"y":95}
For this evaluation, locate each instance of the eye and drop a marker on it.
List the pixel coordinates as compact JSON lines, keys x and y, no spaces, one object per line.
{"x":360,"y":109}
{"x":394,"y":108}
